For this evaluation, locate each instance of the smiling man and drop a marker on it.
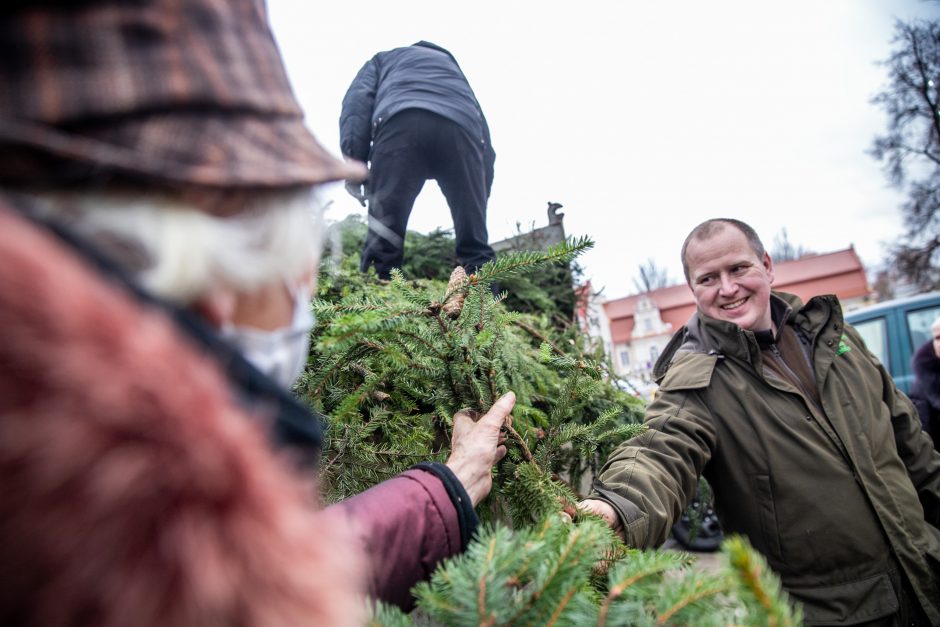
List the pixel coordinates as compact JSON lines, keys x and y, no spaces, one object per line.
{"x":811,"y":451}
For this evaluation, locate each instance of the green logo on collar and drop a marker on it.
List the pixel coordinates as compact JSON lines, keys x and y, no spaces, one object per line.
{"x":843,"y":347}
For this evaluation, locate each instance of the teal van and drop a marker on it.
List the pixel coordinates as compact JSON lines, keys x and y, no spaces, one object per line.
{"x":894,"y":329}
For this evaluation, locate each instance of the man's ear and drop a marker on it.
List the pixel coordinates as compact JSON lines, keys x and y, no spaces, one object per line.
{"x":217,"y":307}
{"x":768,"y":264}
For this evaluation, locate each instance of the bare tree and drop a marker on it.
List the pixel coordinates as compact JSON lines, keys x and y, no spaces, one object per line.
{"x":652,"y":277}
{"x":883,"y":285}
{"x":785,"y":250}
{"x":910,"y":150}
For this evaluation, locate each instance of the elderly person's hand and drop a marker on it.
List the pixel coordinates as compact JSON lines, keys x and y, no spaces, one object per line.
{"x":475,"y":447}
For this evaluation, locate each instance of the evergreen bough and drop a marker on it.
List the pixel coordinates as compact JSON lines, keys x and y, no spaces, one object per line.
{"x":554,"y":574}
{"x":393,"y":361}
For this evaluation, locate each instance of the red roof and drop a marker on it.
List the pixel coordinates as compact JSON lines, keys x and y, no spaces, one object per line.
{"x":840,"y":273}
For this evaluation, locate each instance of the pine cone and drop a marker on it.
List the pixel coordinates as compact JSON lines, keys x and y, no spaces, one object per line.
{"x":454,"y":305}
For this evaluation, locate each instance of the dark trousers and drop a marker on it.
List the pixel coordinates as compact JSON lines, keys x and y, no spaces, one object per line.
{"x":413,"y":146}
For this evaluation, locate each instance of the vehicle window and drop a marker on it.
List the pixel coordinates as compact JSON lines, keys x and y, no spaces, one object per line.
{"x":919,"y":323}
{"x":875,"y":336}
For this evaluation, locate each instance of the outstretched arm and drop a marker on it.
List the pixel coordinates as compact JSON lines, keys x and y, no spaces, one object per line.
{"x":647,"y":482}
{"x":410,"y":523}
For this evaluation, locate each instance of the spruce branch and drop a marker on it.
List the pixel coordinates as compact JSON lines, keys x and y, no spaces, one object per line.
{"x":435,"y":312}
{"x":433,"y":349}
{"x":384,"y":615}
{"x":480,"y":324}
{"x":539,"y":336}
{"x":750,"y":574}
{"x":515,"y":262}
{"x":523,"y":447}
{"x":702,"y":590}
{"x":760,"y":589}
{"x":561,"y":606}
{"x":481,"y":595}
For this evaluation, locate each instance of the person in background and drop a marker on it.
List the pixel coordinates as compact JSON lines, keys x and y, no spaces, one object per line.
{"x":159,"y":240}
{"x":925,"y":391}
{"x":811,"y":451}
{"x":411,"y":114}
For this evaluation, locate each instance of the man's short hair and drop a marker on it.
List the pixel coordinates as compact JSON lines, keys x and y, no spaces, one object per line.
{"x":709,"y":227}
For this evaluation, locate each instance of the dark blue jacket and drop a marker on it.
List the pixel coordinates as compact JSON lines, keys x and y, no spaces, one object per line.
{"x":420,"y":76}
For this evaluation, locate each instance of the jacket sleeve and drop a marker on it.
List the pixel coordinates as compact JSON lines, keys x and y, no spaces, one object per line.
{"x":489,"y":156}
{"x":650,"y":479}
{"x":406,"y":526}
{"x":355,"y":120}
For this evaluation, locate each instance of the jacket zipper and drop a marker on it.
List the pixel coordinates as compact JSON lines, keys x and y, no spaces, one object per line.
{"x":807,"y":395}
{"x":811,"y":403}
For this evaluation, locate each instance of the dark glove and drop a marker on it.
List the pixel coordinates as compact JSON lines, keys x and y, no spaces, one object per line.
{"x":357,"y":191}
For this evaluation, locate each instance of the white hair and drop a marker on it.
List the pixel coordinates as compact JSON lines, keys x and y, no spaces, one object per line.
{"x":180,"y":252}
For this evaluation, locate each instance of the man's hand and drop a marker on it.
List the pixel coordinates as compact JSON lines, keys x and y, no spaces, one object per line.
{"x":604,"y":510}
{"x":356,"y":191}
{"x":475,"y":447}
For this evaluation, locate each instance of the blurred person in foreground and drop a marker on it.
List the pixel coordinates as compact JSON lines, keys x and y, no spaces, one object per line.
{"x":810,"y":449}
{"x":925,"y":391}
{"x":159,"y":239}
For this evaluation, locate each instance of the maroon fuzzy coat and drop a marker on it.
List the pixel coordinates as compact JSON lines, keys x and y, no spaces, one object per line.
{"x":134,"y":491}
{"x":925,"y":392}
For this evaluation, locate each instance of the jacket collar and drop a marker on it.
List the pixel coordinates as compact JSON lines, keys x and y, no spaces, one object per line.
{"x":432,"y":46}
{"x":703,"y":334}
{"x":926,"y":366}
{"x":925,"y":362}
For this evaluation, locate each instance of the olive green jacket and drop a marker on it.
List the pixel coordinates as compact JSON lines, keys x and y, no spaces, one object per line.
{"x":837,"y":496}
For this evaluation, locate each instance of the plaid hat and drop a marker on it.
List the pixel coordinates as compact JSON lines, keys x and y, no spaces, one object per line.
{"x":177,"y":93}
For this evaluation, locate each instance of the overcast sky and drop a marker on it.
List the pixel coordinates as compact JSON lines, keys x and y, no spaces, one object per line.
{"x":641,"y":118}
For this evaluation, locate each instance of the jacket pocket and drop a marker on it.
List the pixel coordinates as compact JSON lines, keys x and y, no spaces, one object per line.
{"x":848,"y":603}
{"x":933,"y":562}
{"x":770,"y":531}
